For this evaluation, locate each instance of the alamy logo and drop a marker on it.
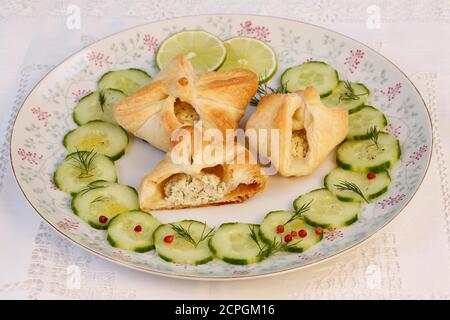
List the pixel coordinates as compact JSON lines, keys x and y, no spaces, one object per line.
{"x":73,"y":277}
{"x":73,"y":21}
{"x":373,"y":277}
{"x":374,"y":19}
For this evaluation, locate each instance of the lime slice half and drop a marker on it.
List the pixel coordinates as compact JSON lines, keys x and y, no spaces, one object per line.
{"x":252,"y":54}
{"x":205,"y":51}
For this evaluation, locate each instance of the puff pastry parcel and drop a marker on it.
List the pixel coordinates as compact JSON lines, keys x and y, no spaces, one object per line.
{"x":308,"y":130}
{"x":180,"y":96}
{"x":224,"y":178}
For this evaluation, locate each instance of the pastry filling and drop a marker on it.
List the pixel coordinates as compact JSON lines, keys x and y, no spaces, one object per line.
{"x":185,"y":112}
{"x":299,"y":144}
{"x":183,"y":189}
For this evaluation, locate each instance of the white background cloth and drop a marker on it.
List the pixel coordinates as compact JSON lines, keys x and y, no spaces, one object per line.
{"x":408,"y":259}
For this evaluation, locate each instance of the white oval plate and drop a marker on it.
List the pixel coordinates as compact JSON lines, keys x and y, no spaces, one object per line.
{"x":46,"y":115}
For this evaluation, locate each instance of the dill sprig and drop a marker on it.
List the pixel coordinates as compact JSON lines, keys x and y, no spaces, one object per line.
{"x":264,"y":250}
{"x":92,"y":186}
{"x":264,"y":89}
{"x":254,"y":237}
{"x":100,"y":199}
{"x":185,"y":234}
{"x":349,"y":94}
{"x":83,"y":161}
{"x":276,"y":246}
{"x":373,"y":134}
{"x":279,"y":245}
{"x":101,"y":100}
{"x":299,"y":212}
{"x":350,"y":186}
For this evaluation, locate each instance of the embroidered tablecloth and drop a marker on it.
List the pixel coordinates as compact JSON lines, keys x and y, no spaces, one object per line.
{"x":408,"y":259}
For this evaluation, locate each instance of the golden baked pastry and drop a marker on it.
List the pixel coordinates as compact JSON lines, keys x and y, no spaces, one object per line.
{"x":227,"y":177}
{"x":308,"y":130}
{"x":180,"y":96}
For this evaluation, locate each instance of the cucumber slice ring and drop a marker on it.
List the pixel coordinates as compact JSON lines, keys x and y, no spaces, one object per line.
{"x":89,"y":109}
{"x":359,"y":92}
{"x":371,"y":188}
{"x":269,"y":234}
{"x":132,"y":230}
{"x":232,"y":243}
{"x":365,"y":156}
{"x":318,"y":74}
{"x":102,"y":198}
{"x":98,"y":136}
{"x":71,"y":176}
{"x":178,"y":250}
{"x":326,"y":210}
{"x":361,"y":121}
{"x":127,"y":80}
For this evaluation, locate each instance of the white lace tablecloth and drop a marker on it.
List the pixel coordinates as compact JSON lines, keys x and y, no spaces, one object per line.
{"x":408,"y":259}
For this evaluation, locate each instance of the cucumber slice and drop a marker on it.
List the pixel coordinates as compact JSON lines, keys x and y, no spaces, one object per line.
{"x":272,"y":220}
{"x":233,"y":243}
{"x":97,"y":105}
{"x":128,"y":80}
{"x":363,"y":120}
{"x":99,"y":136}
{"x":318,"y":74}
{"x":349,"y":95}
{"x":327,"y":211}
{"x":133,"y":231}
{"x":80,"y":168}
{"x":365,"y":156}
{"x":102,"y":199}
{"x":179,"y":250}
{"x":370,"y":188}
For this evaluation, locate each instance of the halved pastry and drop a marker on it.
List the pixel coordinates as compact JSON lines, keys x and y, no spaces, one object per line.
{"x":231,"y":177}
{"x":308,"y":130}
{"x":180,"y":96}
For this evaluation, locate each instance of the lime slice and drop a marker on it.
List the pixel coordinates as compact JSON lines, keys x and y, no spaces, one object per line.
{"x":205,"y":51}
{"x":252,"y":54}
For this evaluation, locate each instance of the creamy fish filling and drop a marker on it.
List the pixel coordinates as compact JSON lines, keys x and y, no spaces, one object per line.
{"x":185,"y":112}
{"x":183,"y":189}
{"x":299,"y":144}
